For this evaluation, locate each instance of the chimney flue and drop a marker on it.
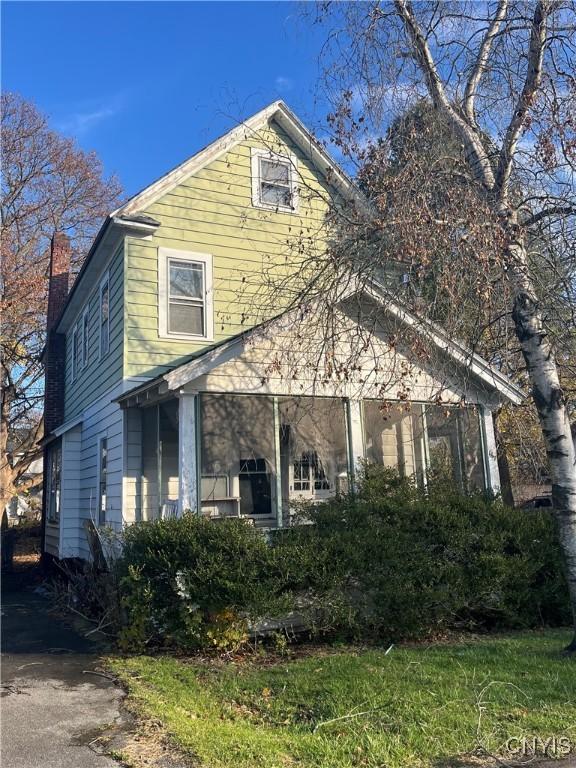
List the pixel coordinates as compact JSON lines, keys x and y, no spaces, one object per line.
{"x":55,"y":350}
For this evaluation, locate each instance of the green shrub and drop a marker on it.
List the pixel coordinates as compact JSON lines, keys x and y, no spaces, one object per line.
{"x":179,"y":576}
{"x":389,"y":562}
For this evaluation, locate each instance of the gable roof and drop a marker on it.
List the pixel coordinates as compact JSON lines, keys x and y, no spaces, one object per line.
{"x":204,"y":362}
{"x":129,"y":214}
{"x":277,"y":111}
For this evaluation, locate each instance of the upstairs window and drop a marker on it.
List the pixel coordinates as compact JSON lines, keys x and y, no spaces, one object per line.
{"x":76,"y":351}
{"x":273,"y":181}
{"x":185,"y":295}
{"x":85,"y":340}
{"x":105,"y":316}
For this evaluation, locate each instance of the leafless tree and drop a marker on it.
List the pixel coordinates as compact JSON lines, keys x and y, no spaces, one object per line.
{"x":48,"y":185}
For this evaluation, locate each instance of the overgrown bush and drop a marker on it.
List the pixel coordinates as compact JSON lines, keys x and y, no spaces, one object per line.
{"x":191,"y":582}
{"x":390,"y":562}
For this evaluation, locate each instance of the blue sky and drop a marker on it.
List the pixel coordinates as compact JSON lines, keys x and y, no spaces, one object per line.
{"x":146,"y":84}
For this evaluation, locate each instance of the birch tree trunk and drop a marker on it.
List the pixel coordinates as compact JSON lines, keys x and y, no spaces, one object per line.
{"x":549,"y":400}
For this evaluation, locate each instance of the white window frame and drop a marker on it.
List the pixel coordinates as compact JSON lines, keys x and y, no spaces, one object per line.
{"x":76,"y":366}
{"x":53,"y":493}
{"x":85,"y":334}
{"x":292,"y":162}
{"x":165,"y":255}
{"x":103,"y":283}
{"x":101,"y":439}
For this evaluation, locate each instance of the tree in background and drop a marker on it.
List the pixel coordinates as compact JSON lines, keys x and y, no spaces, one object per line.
{"x":49,"y":185}
{"x":483,"y":237}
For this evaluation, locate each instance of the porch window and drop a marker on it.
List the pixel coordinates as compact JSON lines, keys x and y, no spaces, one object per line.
{"x":395,"y":438}
{"x":313,"y":448}
{"x":159,"y":458}
{"x":273,"y":181}
{"x":455,"y":445}
{"x":426,"y":441}
{"x":238,"y":458}
{"x":185,"y":294}
{"x":54,"y":482}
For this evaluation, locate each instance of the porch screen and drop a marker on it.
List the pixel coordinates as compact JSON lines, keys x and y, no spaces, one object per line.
{"x":394,"y":437}
{"x":313,"y":451}
{"x":454,"y":444}
{"x":425,"y":441}
{"x":237,"y":455}
{"x":159,"y":458}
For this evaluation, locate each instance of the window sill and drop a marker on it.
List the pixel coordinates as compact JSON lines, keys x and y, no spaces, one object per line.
{"x":274,"y":208}
{"x":184,"y":337}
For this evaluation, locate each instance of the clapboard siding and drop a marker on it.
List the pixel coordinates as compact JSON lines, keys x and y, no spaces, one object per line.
{"x":69,"y":520}
{"x":100,"y":373}
{"x":102,"y":418}
{"x":212,"y":212}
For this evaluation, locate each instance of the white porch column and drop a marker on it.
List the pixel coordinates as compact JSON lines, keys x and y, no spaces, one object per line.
{"x":355,"y":437}
{"x":489,"y":449}
{"x":188,"y":459}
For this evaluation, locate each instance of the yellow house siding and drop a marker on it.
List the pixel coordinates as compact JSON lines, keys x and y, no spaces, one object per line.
{"x":212,"y":212}
{"x":100,"y":374}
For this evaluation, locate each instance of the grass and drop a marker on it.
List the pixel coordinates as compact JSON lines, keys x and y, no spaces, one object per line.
{"x":415,"y":706}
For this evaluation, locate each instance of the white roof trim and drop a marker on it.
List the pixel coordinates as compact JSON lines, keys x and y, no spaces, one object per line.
{"x":291,"y":124}
{"x":67,"y":426}
{"x":481,"y":368}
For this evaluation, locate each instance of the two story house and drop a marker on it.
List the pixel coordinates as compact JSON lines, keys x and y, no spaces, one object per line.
{"x":172,"y":385}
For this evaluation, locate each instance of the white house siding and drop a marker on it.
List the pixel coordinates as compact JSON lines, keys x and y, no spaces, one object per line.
{"x":52,"y":539}
{"x":96,"y":378}
{"x":103,"y":418}
{"x":70,"y":534}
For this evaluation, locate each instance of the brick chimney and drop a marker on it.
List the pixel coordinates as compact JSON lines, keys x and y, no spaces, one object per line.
{"x":55,"y":352}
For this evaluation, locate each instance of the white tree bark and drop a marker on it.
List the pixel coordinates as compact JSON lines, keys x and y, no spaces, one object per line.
{"x":529,"y":326}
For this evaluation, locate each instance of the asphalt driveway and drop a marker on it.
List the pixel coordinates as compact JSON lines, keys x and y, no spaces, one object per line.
{"x":53,"y":705}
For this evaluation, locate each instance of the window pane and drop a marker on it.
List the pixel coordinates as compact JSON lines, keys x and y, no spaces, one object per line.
{"x":275,"y":172}
{"x":275,"y":195}
{"x":104,"y":330}
{"x":185,"y":317}
{"x":105,"y":304}
{"x":85,"y":328}
{"x":77,"y":351}
{"x":186,"y":280}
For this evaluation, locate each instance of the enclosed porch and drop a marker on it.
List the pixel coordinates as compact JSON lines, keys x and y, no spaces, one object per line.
{"x":257,"y":456}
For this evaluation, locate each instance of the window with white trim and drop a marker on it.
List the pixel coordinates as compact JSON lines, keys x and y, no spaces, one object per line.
{"x":185,"y":294}
{"x":53,"y":481}
{"x":274,"y":181}
{"x":85,"y":334}
{"x":76,"y":351}
{"x":102,"y":479}
{"x":105,"y":316}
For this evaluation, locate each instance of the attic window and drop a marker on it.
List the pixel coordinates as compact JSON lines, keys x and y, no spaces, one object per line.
{"x":273,"y":181}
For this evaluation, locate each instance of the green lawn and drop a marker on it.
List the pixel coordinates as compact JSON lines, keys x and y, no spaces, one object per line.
{"x":415,"y":706}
